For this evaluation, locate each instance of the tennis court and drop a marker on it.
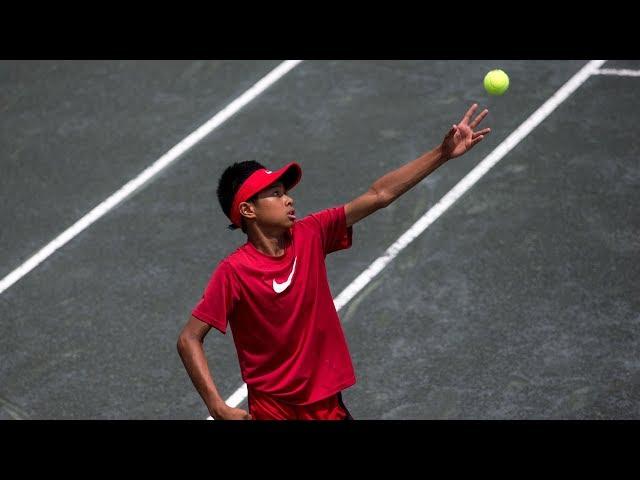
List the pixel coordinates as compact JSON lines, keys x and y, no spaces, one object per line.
{"x":521,"y":300}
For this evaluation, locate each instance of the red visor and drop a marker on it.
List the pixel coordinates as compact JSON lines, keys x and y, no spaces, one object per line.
{"x":290,"y":175}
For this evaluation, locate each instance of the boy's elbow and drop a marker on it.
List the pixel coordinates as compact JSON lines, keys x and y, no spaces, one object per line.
{"x":384,"y":199}
{"x":378,"y":198}
{"x":183,"y":343}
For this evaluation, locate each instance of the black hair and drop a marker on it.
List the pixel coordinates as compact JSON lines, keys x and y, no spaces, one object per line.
{"x":230,"y":181}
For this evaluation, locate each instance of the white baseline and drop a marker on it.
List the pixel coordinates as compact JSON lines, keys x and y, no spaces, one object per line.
{"x":622,"y":72}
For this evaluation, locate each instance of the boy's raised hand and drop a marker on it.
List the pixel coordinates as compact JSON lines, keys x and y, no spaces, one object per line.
{"x":461,"y":137}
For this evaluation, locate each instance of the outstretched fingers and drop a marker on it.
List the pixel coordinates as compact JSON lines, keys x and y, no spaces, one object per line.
{"x":478,"y":139}
{"x":469,"y":114}
{"x":481,"y":132}
{"x":479,"y":118}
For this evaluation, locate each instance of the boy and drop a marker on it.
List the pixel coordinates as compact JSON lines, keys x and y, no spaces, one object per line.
{"x":274,"y":292}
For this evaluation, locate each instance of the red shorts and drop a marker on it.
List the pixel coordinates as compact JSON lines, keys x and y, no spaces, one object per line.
{"x":265,"y":407}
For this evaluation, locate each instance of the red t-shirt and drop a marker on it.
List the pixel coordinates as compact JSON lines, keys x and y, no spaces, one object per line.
{"x":286,"y":330}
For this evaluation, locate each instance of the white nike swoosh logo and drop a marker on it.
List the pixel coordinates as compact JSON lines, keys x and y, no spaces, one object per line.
{"x":281,"y":287}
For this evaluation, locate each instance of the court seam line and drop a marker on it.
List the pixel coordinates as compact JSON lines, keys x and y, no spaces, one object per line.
{"x":454,"y":194}
{"x":147,"y":174}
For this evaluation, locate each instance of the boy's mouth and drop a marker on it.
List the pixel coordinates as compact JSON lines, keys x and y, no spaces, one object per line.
{"x":291,"y":214}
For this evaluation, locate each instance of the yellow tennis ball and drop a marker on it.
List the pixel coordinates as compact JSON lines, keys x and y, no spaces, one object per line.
{"x":496,"y":82}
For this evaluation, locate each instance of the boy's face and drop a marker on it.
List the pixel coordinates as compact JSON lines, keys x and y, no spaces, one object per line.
{"x":273,"y":207}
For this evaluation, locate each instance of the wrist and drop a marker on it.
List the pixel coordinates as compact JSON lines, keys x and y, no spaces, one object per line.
{"x":442,"y":154}
{"x":217,"y":408}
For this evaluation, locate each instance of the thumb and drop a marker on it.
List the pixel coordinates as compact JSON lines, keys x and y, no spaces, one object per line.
{"x":452,"y":131}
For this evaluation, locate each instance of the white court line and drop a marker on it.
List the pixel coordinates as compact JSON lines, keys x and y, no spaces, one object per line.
{"x":623,"y":72}
{"x":456,"y":192}
{"x":160,"y":164}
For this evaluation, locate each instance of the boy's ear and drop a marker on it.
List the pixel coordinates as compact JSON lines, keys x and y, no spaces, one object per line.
{"x":247,"y":210}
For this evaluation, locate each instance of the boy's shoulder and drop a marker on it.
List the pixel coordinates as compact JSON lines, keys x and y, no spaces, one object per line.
{"x":237,"y":255}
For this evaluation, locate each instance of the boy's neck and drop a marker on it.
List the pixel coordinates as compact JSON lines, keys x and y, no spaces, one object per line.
{"x":269,"y":243}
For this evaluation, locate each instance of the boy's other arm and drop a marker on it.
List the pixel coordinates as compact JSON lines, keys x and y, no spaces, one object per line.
{"x":459,"y":140}
{"x":195,"y":362}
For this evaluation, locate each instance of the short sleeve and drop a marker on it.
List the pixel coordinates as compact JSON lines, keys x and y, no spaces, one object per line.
{"x":218,"y":300}
{"x":332,"y":226}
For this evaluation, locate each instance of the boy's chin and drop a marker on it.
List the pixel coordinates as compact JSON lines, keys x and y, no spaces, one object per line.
{"x":286,"y":225}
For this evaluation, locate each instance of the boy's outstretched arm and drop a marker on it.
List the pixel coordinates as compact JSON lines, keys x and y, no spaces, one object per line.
{"x":459,"y":140}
